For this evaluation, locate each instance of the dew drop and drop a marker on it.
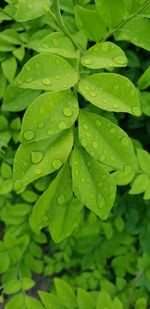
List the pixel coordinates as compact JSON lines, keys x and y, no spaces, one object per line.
{"x":19,"y":82}
{"x":124,"y":141}
{"x":85,"y":126}
{"x":120,"y":60}
{"x":67,"y":111}
{"x":56,"y":164}
{"x":38,"y":171}
{"x":94,"y":145}
{"x":128,"y":168}
{"x":61,"y":199}
{"x":36,"y":156}
{"x":41,"y":125}
{"x":104,"y":46}
{"x":29,"y":79}
{"x":112,"y":130}
{"x":62,"y":126}
{"x":100,"y":200}
{"x":136,"y":111}
{"x":46,"y":81}
{"x":116,"y":86}
{"x":102,"y":158}
{"x":28,"y":135}
{"x":50,"y":132}
{"x":87,"y":61}
{"x":93,"y":94}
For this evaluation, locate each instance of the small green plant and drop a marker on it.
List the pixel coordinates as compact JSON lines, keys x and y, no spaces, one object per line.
{"x":74,"y":145}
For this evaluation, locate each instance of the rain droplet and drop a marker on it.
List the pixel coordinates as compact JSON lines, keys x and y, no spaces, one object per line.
{"x":85,"y":126}
{"x":93,"y":94}
{"x":94,"y":145}
{"x":116,"y":86}
{"x":56,"y":164}
{"x":136,"y":111}
{"x":41,"y":125}
{"x":19,"y":82}
{"x":50,"y":132}
{"x":104,"y":46}
{"x":128,"y":168}
{"x":112,"y":130}
{"x":36,"y":156}
{"x":98,"y":123}
{"x":46,"y":81}
{"x":28,"y":135}
{"x":100,"y":200}
{"x":62,"y":126}
{"x":87,"y":61}
{"x":67,"y":111}
{"x":102,"y":158}
{"x":61,"y":199}
{"x":124,"y":141}
{"x":29,"y":79}
{"x":120,"y":60}
{"x":38,"y":171}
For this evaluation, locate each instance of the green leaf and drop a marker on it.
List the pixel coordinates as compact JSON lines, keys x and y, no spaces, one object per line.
{"x":32,"y":303}
{"x":139,"y":184}
{"x":141,"y":303}
{"x":50,"y":301}
{"x":6,"y":170}
{"x":9,"y":67}
{"x":144,"y":160}
{"x":89,"y":22}
{"x":4,"y":261}
{"x":17,"y":99}
{"x":27,"y":283}
{"x":112,"y":12}
{"x":144,"y":80}
{"x":19,"y":53}
{"x":124,"y":177}
{"x":106,"y":142}
{"x":117,"y":304}
{"x":57,"y":208}
{"x":52,"y":112}
{"x":104,"y":300}
{"x":12,"y":286}
{"x":28,"y":9}
{"x":130,"y":32}
{"x":84,"y":299}
{"x":145,"y":102}
{"x":111,"y":92}
{"x":65,"y":293}
{"x":92,"y":184}
{"x":104,"y":55}
{"x":47,"y":72}
{"x":57,"y":43}
{"x":16,"y":302}
{"x":37,"y":159}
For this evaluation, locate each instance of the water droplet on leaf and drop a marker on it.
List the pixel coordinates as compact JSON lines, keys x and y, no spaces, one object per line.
{"x":57,"y":164}
{"x":62,"y":126}
{"x":67,"y":111}
{"x":46,"y":81}
{"x":28,"y":135}
{"x":36,"y":157}
{"x":61,"y":199}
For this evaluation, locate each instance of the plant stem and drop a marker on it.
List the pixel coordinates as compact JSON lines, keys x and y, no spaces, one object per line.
{"x":60,"y":22}
{"x":130,"y":17}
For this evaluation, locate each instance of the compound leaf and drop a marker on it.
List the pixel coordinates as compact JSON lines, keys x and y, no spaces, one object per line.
{"x":47,"y":72}
{"x":49,"y":114}
{"x":111,"y":92}
{"x":105,"y":141}
{"x":104,"y":55}
{"x":36,"y":159}
{"x":92,"y":184}
{"x":28,"y":9}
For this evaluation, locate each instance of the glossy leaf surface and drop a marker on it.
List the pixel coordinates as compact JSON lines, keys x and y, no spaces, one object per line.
{"x":28,"y":9}
{"x":36,"y":159}
{"x":52,"y":112}
{"x":47,"y":72}
{"x":104,"y":55}
{"x":92,"y":184}
{"x":105,"y":141}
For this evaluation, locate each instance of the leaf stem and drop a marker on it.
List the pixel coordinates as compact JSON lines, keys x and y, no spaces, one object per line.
{"x":126,"y":20}
{"x":60,"y":22}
